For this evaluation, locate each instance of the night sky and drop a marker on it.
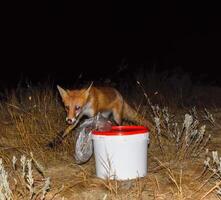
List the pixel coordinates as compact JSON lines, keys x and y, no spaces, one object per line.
{"x":93,"y":40}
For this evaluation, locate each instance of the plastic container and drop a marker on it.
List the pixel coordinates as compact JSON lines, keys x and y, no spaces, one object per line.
{"x":121,"y":153}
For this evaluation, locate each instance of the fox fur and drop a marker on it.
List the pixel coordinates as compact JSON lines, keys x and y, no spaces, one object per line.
{"x":93,"y":100}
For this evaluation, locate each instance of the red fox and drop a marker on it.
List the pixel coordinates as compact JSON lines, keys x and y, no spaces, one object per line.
{"x":92,"y":100}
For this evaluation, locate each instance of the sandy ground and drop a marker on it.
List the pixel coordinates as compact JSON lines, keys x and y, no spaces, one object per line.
{"x":80,"y":182}
{"x":173,"y":180}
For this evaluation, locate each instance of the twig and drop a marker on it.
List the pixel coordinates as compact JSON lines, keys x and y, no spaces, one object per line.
{"x":213,"y":188}
{"x":56,"y":193}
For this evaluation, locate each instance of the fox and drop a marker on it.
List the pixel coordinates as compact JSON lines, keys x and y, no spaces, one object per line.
{"x":104,"y":100}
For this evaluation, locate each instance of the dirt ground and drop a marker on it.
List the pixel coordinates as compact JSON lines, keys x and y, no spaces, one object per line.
{"x":30,"y":121}
{"x":80,"y":182}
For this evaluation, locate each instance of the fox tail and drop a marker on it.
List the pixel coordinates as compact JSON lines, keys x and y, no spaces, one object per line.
{"x":130,"y":114}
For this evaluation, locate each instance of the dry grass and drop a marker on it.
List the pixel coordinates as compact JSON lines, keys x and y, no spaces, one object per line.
{"x":32,"y":117}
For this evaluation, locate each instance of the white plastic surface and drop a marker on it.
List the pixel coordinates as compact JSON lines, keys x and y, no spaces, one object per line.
{"x":121,"y":157}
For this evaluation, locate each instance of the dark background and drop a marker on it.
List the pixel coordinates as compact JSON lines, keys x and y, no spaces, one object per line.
{"x":94,"y":40}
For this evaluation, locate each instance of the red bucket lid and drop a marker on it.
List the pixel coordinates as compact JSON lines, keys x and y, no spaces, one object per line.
{"x":122,"y":130}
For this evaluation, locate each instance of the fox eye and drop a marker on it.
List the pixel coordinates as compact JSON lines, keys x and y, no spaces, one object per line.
{"x":67,"y":107}
{"x":77,"y":107}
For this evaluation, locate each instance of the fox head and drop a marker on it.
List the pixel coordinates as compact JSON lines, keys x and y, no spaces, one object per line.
{"x":74,"y":102}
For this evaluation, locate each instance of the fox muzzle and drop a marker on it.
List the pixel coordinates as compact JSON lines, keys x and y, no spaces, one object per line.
{"x":70,"y":120}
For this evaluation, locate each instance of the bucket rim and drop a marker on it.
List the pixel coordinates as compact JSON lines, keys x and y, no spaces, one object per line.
{"x":122,"y":131}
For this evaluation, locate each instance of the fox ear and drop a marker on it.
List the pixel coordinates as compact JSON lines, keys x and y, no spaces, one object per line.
{"x":87,"y":92}
{"x":62,"y":92}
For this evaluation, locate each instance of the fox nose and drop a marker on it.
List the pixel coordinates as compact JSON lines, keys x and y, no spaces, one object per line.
{"x":69,"y":121}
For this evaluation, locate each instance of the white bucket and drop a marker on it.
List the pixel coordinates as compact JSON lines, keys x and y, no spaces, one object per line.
{"x":121,"y":153}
